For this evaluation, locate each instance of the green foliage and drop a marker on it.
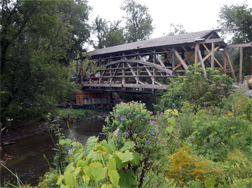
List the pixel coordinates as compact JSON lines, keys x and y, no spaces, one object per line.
{"x":38,"y":38}
{"x":238,"y":16}
{"x":107,"y":35}
{"x":74,"y":113}
{"x":98,"y":165}
{"x":197,"y":89}
{"x":133,"y":124}
{"x":138,"y":21}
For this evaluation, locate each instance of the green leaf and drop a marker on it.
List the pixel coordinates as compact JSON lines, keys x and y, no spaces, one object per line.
{"x":60,"y":180}
{"x":106,"y":186}
{"x":92,"y":139}
{"x":62,"y":142}
{"x":98,"y":172}
{"x":127,"y":180}
{"x":169,"y":129}
{"x":127,"y":156}
{"x":114,"y":177}
{"x":86,"y":178}
{"x":69,"y":169}
{"x":136,"y":159}
{"x":119,"y":154}
{"x":171,"y":121}
{"x":197,"y":184}
{"x":64,"y":186}
{"x":94,"y":156}
{"x":111,"y":165}
{"x":70,"y":179}
{"x":210,"y":182}
{"x":87,"y":171}
{"x":82,"y":163}
{"x":127,"y":145}
{"x":111,"y":147}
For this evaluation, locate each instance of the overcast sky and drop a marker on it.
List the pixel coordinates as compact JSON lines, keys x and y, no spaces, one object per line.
{"x":194,"y":15}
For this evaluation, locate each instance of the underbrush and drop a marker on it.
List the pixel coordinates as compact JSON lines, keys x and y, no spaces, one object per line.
{"x":75,"y":113}
{"x":203,"y":143}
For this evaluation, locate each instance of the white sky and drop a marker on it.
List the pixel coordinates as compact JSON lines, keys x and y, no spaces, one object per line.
{"x":194,"y":15}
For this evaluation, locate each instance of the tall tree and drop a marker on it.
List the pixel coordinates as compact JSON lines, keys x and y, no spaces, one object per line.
{"x":114,"y":35}
{"x":138,"y":21}
{"x":107,"y":35}
{"x":238,"y":16}
{"x":99,"y":28}
{"x":38,"y":38}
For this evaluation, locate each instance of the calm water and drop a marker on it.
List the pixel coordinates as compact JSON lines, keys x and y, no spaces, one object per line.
{"x":28,"y":161}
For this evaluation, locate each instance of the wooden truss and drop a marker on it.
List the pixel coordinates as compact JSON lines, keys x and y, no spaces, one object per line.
{"x":153,"y":68}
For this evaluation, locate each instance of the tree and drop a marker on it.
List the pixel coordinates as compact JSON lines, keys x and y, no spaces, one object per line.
{"x":114,"y":35}
{"x":99,"y":28}
{"x":38,"y":38}
{"x":238,"y":16}
{"x":138,"y":21}
{"x":107,"y":36}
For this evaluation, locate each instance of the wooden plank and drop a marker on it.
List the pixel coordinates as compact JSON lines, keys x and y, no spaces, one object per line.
{"x":123,"y":75}
{"x":160,"y":61}
{"x":196,"y":54}
{"x":181,"y":60}
{"x":241,"y":56}
{"x":210,"y":53}
{"x":201,"y":62}
{"x":134,"y":74}
{"x":239,"y":45}
{"x":212,"y":56}
{"x":231,"y":67}
{"x":188,"y":55}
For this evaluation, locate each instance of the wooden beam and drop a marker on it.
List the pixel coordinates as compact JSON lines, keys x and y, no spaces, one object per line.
{"x":202,"y":63}
{"x":211,"y":40}
{"x":181,"y":60}
{"x":188,"y":55}
{"x":212,"y":56}
{"x":160,"y":61}
{"x":196,"y":54}
{"x":225,"y":61}
{"x":239,"y":45}
{"x":241,"y":55}
{"x":216,"y":48}
{"x":134,"y":74}
{"x":231,"y":67}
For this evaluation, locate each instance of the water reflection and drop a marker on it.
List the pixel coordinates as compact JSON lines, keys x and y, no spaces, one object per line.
{"x":28,"y":161}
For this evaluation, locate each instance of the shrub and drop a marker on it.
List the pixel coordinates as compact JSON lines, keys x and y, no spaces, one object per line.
{"x":198,"y":89}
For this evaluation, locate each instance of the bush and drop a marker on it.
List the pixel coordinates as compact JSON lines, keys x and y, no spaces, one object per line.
{"x":197,"y":89}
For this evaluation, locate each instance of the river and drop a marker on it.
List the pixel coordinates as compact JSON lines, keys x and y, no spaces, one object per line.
{"x":28,"y":161}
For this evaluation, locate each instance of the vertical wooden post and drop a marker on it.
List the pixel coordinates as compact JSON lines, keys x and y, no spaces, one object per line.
{"x":123,"y":76}
{"x":81,"y":71}
{"x":99,"y":62}
{"x":241,"y":55}
{"x":196,"y":54}
{"x":225,"y":61}
{"x":173,"y":59}
{"x":153,"y":69}
{"x":212,"y":56}
{"x":110,"y":72}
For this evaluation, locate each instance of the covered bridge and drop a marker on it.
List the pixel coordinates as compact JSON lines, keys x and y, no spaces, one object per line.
{"x":148,"y":65}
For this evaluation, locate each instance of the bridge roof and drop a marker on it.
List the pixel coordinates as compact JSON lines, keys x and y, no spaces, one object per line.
{"x":157,"y":42}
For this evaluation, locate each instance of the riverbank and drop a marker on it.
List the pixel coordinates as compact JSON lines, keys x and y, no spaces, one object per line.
{"x":32,"y":127}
